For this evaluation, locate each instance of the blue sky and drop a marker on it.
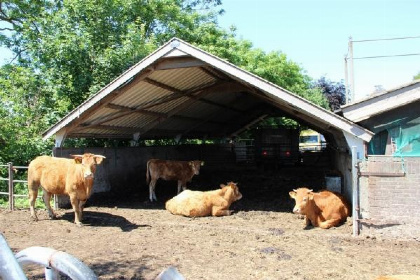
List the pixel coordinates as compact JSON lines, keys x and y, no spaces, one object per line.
{"x":315,"y":34}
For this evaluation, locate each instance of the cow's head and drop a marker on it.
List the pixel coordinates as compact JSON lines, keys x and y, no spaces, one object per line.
{"x":89,"y":162}
{"x":303,"y":197}
{"x":195,"y":166}
{"x":235,"y":190}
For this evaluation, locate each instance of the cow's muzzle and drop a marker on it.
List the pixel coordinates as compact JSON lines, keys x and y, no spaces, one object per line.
{"x":88,"y":175}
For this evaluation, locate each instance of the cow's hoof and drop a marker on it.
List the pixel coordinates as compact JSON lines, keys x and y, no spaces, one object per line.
{"x":35,"y":219}
{"x":307,"y":227}
{"x":79,"y":224}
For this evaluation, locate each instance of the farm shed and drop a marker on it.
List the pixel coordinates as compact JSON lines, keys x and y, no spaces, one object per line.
{"x":390,"y":176}
{"x":180,"y":91}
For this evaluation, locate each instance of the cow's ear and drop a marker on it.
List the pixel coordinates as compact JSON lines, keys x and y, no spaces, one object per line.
{"x":222,"y":186}
{"x":98,"y":159}
{"x":311,"y":196}
{"x":292,"y":194}
{"x":191,"y":163}
{"x":202,"y":163}
{"x":77,"y":158}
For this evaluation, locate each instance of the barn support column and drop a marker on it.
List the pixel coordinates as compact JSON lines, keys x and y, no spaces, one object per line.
{"x":135,"y":141}
{"x":60,"y":136}
{"x":357,"y":151}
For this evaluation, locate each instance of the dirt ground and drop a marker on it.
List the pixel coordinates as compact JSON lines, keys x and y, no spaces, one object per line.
{"x":126,"y":237}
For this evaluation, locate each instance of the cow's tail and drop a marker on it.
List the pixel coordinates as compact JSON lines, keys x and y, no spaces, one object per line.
{"x":147,"y":172}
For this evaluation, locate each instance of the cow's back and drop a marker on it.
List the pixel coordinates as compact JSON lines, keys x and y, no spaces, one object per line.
{"x":49,"y":172}
{"x":332,"y":203}
{"x":169,"y":170}
{"x":191,"y":203}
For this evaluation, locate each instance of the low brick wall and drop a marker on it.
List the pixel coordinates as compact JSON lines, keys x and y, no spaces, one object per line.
{"x":390,"y":189}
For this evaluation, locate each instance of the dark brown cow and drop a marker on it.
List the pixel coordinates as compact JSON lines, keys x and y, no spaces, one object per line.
{"x":72,"y":177}
{"x":324,"y":209}
{"x":181,"y":171}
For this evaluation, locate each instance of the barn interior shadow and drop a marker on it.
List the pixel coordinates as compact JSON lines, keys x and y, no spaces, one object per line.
{"x":262,"y":190}
{"x":100,"y":219}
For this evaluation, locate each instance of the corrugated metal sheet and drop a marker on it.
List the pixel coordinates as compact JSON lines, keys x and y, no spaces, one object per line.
{"x":180,"y":89}
{"x":141,"y":94}
{"x":183,"y":79}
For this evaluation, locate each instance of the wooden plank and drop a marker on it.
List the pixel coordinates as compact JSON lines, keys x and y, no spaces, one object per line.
{"x":382,"y":174}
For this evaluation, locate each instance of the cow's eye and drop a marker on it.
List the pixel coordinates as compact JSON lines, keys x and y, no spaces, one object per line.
{"x":305,"y":199}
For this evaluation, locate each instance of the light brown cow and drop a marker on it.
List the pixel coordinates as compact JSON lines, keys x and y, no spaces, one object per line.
{"x":72,"y":177}
{"x":181,"y":171}
{"x":324,"y":209}
{"x":199,"y":204}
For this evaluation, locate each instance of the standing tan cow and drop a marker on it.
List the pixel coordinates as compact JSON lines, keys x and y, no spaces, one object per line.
{"x":72,"y":177}
{"x":324,"y":209}
{"x":181,"y":171}
{"x":200,"y":204}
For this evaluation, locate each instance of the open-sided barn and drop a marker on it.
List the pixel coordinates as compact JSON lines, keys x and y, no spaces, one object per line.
{"x":180,"y":91}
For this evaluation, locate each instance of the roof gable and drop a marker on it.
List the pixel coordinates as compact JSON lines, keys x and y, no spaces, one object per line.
{"x":381,"y":103}
{"x":182,"y":90}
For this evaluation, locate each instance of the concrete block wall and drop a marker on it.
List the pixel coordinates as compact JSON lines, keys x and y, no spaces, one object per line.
{"x":388,"y":196}
{"x":125,"y":167}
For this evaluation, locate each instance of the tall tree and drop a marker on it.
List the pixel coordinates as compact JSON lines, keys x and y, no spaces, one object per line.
{"x":25,"y":103}
{"x":66,"y":50}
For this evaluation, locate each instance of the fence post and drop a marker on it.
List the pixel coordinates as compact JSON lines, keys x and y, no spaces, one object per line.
{"x":11,"y":188}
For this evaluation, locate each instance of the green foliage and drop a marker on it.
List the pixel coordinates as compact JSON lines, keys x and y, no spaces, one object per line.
{"x":67,"y":50}
{"x":25,"y":111}
{"x":416,"y":77}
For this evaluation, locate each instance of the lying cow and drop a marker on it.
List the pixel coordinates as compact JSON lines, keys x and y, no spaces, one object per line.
{"x":324,"y":209}
{"x":72,"y":177}
{"x":199,"y":204}
{"x":182,"y":171}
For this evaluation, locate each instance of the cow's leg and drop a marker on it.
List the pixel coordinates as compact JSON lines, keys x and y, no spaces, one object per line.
{"x":220,"y":211}
{"x":75,"y":203}
{"x":180,"y":184}
{"x":308,"y":223}
{"x":47,"y":198}
{"x":33,"y":193}
{"x":81,"y":207}
{"x":220,"y":208}
{"x":152,"y":195}
{"x":330,"y":223}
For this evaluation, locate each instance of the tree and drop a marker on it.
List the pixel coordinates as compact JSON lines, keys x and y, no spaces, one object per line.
{"x":416,"y":77}
{"x":335,"y":92}
{"x":67,"y":50}
{"x":82,"y":45}
{"x":25,"y":103}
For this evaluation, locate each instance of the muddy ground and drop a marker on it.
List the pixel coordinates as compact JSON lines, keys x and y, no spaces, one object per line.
{"x":126,"y":237}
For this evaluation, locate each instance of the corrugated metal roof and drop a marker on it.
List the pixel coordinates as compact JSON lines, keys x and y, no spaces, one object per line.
{"x":180,"y":90}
